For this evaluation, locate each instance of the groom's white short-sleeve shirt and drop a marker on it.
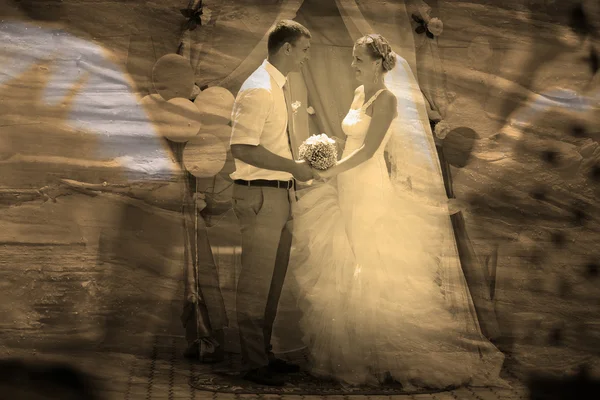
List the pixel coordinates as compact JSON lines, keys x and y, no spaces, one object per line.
{"x":260,"y":117}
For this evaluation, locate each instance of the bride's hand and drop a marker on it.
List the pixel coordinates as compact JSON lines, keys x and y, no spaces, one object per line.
{"x":317,"y":174}
{"x":322,"y":175}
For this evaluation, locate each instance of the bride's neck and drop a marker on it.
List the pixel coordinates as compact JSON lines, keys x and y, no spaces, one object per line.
{"x":371,"y":88}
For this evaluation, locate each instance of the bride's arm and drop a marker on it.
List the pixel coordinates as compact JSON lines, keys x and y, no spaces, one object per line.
{"x":384,"y":111}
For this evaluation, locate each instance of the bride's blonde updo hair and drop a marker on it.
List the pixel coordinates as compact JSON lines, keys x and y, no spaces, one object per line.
{"x":379,"y":48}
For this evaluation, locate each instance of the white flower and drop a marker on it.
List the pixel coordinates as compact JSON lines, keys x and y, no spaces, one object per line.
{"x":200,"y":200}
{"x":206,"y":15}
{"x":320,"y":151}
{"x":322,"y":138}
{"x":455,"y":205}
{"x":310,"y":110}
{"x":452,"y":95}
{"x":195,"y":92}
{"x":295,"y":106}
{"x":435,"y":26}
{"x":442,"y":129}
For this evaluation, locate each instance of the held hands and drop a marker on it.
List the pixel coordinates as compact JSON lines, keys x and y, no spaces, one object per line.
{"x":321,"y":175}
{"x":317,"y":175}
{"x":302,"y":171}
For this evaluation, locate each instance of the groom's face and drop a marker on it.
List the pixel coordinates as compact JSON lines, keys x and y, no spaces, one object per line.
{"x":299,"y":52}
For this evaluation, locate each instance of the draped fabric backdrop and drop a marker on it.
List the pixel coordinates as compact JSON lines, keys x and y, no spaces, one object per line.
{"x":429,"y":63}
{"x":328,"y":77}
{"x":326,"y":83}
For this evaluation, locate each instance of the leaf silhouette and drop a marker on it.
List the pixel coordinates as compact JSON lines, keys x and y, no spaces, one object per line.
{"x":417,"y":18}
{"x":192,"y":24}
{"x":578,"y":21}
{"x":193,"y":16}
{"x":429,"y":34}
{"x":420,"y":29}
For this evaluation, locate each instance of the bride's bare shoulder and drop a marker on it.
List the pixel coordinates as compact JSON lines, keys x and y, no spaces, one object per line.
{"x":386,"y":102}
{"x":387,"y":96}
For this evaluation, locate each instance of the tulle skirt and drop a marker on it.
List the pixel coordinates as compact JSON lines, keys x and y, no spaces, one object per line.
{"x":367,"y":264}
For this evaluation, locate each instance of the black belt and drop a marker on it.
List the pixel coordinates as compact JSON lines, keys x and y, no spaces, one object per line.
{"x":264,"y":182}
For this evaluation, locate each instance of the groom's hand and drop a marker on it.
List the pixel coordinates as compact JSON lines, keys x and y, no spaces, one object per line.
{"x":302,"y":171}
{"x":317,"y":174}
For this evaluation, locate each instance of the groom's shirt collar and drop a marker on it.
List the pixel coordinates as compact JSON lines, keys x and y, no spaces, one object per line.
{"x":280,"y":79}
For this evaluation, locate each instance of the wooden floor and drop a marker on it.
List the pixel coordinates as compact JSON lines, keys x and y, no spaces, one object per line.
{"x":163,"y":374}
{"x":133,"y":345}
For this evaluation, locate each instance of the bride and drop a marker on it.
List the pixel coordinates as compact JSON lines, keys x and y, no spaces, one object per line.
{"x":381,"y":288}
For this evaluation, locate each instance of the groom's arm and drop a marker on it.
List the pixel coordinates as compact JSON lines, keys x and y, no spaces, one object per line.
{"x":260,"y":157}
{"x":250,"y":112}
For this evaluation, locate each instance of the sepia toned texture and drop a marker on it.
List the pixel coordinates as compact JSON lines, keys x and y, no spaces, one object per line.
{"x":95,"y":249}
{"x":215,"y":105}
{"x":204,"y":156}
{"x":172,"y":77}
{"x":178,"y":119}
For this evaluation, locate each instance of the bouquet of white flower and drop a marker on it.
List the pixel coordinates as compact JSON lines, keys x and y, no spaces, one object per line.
{"x":319,"y":151}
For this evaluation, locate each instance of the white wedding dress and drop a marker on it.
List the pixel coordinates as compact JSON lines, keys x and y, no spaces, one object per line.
{"x":370,"y":286}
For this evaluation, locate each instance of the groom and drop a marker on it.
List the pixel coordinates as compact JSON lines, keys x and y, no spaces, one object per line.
{"x":262,"y":195}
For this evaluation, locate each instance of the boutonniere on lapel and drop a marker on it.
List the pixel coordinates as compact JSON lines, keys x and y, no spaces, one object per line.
{"x":431,"y":28}
{"x":295,"y":106}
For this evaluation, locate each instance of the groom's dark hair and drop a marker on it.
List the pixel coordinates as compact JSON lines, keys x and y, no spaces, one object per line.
{"x":286,"y":31}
